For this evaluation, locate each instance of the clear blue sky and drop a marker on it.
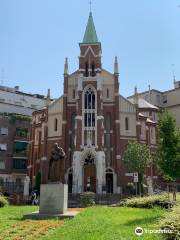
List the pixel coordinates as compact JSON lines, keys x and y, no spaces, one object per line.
{"x":36,"y":36}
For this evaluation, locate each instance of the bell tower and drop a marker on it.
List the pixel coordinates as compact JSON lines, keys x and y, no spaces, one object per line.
{"x":90,"y":51}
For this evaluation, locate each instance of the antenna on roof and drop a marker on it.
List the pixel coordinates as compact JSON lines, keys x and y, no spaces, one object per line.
{"x":149,"y":88}
{"x":173,"y":72}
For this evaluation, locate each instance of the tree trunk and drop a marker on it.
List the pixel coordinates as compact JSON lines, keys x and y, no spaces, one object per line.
{"x":174,"y":192}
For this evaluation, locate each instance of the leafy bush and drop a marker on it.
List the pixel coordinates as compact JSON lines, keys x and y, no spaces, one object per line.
{"x":87,"y":199}
{"x":3,"y":201}
{"x":130,"y":188}
{"x":147,"y":202}
{"x":171,"y":222}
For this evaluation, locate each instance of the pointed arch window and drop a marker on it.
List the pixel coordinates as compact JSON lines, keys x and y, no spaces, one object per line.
{"x":93,"y":69}
{"x":89,"y":99}
{"x":86,"y":69}
{"x":126,"y":123}
{"x":74,"y":94}
{"x":89,"y":117}
{"x":107,"y":93}
{"x":55,"y":124}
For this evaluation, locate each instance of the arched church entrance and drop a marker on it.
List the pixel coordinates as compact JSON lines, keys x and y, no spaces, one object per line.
{"x":109,"y":181}
{"x":89,"y":174}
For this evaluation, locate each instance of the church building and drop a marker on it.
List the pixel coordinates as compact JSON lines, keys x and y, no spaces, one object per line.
{"x":93,"y":123}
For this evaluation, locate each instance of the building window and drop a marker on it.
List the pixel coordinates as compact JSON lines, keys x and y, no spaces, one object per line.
{"x":152,"y":132}
{"x":86,"y":69}
{"x":89,"y":120}
{"x":22,"y":132}
{"x":158,"y":99}
{"x":89,"y":100}
{"x":146,"y":98}
{"x":2,"y":162}
{"x":140,"y":129}
{"x":108,"y":122}
{"x":21,"y":147}
{"x":72,"y":135}
{"x":4,"y":131}
{"x":19,"y":163}
{"x":3,"y":147}
{"x":107,"y":140}
{"x":93,"y":69}
{"x":89,"y":137}
{"x":55,"y":124}
{"x":74,"y":94}
{"x":89,"y":117}
{"x":165,"y":99}
{"x":126,"y":123}
{"x":107,"y":93}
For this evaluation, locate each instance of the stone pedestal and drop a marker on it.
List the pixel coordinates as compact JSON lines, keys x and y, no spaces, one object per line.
{"x":53,"y":198}
{"x":53,"y":203}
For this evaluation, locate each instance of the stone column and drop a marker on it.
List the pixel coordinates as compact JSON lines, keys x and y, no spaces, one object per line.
{"x":100,"y":171}
{"x":77,"y":172}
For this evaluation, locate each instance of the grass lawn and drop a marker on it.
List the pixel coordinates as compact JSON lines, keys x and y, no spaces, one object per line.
{"x":96,"y":223}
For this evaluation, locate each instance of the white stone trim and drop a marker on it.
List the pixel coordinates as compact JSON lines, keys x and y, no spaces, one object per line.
{"x":64,"y":122}
{"x":29,"y":166}
{"x":87,"y":50}
{"x":71,"y":104}
{"x":108,"y":104}
{"x":79,"y":118}
{"x":44,"y":158}
{"x":117,"y":121}
{"x":118,"y":156}
{"x":130,"y":138}
{"x":100,"y":117}
{"x":20,"y":158}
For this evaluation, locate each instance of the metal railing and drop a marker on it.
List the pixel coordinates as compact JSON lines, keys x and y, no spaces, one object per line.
{"x":12,"y":187}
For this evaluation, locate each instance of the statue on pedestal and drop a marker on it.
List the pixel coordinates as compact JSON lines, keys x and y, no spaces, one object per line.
{"x":55,"y":163}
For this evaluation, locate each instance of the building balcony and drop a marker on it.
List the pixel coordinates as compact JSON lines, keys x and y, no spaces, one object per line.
{"x":19,"y":171}
{"x":20,"y":154}
{"x":21,"y":138}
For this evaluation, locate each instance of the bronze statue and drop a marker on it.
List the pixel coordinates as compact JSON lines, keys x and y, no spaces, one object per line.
{"x":55,"y":163}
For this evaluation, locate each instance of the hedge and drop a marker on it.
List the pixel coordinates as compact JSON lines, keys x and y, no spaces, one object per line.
{"x":171,"y":222}
{"x":3,"y":201}
{"x":147,"y":202}
{"x":87,"y":199}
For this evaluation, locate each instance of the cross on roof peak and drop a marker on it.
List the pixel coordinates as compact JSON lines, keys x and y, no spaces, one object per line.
{"x":90,"y":4}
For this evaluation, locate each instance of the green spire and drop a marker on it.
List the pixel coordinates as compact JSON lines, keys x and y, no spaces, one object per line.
{"x":90,"y":35}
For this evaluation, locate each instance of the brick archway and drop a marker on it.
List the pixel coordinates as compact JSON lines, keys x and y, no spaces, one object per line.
{"x":89,"y":170}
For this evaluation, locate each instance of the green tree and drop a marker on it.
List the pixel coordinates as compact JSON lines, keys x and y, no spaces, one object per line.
{"x":137,"y":157}
{"x":169,"y":148}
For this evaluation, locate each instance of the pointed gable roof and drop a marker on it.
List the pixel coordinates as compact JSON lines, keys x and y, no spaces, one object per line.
{"x":90,"y":35}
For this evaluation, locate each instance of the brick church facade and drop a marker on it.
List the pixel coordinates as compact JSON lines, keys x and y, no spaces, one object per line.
{"x":93,"y":123}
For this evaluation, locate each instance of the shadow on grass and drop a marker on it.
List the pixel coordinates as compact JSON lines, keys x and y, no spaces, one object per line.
{"x":140,"y":221}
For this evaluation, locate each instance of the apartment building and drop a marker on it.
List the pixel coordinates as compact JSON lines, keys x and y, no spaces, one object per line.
{"x":16,"y":109}
{"x":169,"y":100}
